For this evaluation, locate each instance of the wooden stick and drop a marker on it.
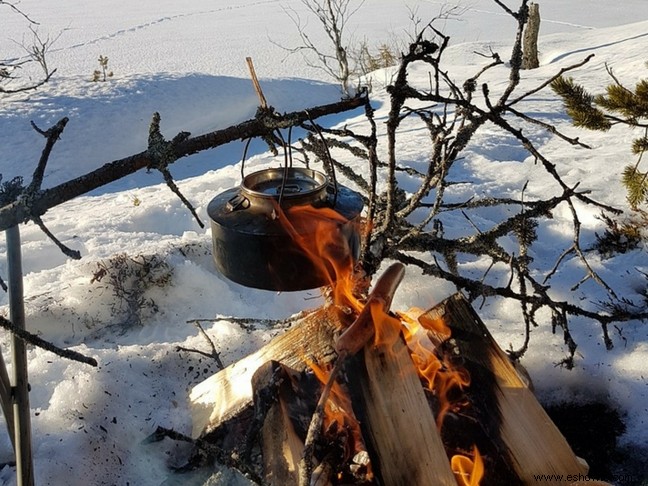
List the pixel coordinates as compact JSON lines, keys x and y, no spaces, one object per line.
{"x":255,"y":81}
{"x":354,"y":338}
{"x":281,"y":447}
{"x":349,"y":343}
{"x":397,"y":423}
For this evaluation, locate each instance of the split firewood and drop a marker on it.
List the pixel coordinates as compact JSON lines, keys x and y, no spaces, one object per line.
{"x":352,"y":340}
{"x":397,"y":423}
{"x":281,"y":447}
{"x":323,"y":474}
{"x":398,"y":418}
{"x":227,"y":393}
{"x":531,"y":442}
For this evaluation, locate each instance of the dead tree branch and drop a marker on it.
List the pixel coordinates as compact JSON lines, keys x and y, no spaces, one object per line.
{"x":21,"y":210}
{"x":36,"y":52}
{"x":162,"y":153}
{"x":408,"y":223}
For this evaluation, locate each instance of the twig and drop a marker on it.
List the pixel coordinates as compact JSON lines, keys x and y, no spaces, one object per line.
{"x":206,"y":449}
{"x":255,"y":81}
{"x":41,"y":343}
{"x":74,"y":254}
{"x":214,"y":353}
{"x":163,"y":153}
{"x":315,"y":426}
{"x":539,"y":299}
{"x":549,"y":128}
{"x":549,"y":81}
{"x":52,"y":134}
{"x":590,"y":271}
{"x":168,"y":178}
{"x":246,"y":322}
{"x":563,"y":255}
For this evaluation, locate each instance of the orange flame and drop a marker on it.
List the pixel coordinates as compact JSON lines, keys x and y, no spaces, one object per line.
{"x":441,"y":377}
{"x":468,"y":472}
{"x":320,"y":233}
{"x":338,"y":406}
{"x":338,"y":412}
{"x":386,"y":328}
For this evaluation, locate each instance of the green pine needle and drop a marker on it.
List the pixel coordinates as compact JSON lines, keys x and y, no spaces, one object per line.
{"x":636,"y":184}
{"x":639,"y":145}
{"x":579,"y":105}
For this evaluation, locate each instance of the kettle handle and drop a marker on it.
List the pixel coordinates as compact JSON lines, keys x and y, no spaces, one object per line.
{"x":238,"y":201}
{"x":329,"y":165}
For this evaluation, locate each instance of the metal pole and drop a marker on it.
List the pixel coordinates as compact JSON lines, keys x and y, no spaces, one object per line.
{"x":21,"y":409}
{"x":6,"y":400}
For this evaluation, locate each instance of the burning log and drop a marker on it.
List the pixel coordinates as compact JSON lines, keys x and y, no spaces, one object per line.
{"x":397,"y":423}
{"x":280,"y":445}
{"x":531,"y":442}
{"x":459,"y":414}
{"x":227,"y":393}
{"x":417,"y":457}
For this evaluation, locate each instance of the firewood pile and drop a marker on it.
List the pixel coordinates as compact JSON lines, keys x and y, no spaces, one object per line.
{"x":368,"y":396}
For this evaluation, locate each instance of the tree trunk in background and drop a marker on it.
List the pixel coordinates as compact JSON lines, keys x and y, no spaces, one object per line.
{"x":530,"y":42}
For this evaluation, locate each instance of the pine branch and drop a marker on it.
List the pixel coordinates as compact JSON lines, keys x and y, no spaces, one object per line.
{"x":580,"y":105}
{"x":636,"y":184}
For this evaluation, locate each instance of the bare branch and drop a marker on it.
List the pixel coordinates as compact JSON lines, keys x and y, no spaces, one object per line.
{"x":36,"y":52}
{"x":163,"y":153}
{"x":214,"y":354}
{"x":41,"y":343}
{"x":74,"y":254}
{"x":545,"y":84}
{"x":52,"y":134}
{"x":332,"y":16}
{"x":20,"y":211}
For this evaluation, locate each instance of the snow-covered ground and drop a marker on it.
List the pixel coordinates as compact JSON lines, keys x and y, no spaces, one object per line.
{"x":187,"y":62}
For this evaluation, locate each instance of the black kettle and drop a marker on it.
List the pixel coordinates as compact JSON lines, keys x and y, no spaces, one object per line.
{"x":254,"y":243}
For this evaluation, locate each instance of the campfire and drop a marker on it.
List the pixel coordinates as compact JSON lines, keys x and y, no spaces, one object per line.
{"x":356,"y":393}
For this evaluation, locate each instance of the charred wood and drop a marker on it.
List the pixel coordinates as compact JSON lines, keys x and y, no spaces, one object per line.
{"x":516,"y":423}
{"x":225,"y":394}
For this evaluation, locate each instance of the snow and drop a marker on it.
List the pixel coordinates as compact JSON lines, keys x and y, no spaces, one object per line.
{"x":186,"y":60}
